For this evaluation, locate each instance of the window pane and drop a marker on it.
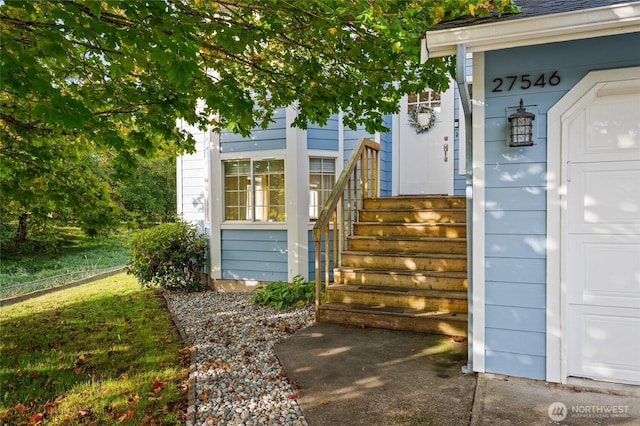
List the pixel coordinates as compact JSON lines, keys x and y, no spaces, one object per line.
{"x":322,"y":177}
{"x":237,"y":183}
{"x":269,"y":190}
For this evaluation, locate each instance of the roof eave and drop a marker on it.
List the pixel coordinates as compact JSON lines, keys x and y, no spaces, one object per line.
{"x":598,"y":22}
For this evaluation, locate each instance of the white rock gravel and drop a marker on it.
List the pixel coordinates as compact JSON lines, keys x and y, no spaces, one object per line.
{"x":238,"y":378}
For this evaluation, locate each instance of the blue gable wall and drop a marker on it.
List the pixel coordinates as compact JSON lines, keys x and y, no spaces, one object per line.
{"x":324,"y":137}
{"x":254,"y":255}
{"x":515,"y":195}
{"x":273,"y":137}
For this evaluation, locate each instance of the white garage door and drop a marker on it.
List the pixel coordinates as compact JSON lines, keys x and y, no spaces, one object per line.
{"x":602,"y":235}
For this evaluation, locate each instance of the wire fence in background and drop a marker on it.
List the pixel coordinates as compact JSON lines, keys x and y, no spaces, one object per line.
{"x":52,"y":282}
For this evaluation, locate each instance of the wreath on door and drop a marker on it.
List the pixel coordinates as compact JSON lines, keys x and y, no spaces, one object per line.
{"x":422,"y":126}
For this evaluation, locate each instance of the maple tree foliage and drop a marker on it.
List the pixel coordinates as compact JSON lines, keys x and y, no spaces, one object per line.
{"x":109,"y":79}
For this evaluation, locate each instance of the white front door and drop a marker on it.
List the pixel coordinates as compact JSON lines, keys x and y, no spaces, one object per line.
{"x":602,"y":235}
{"x":425,"y":159}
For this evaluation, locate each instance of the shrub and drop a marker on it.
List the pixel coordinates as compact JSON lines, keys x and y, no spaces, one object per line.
{"x":282,"y":294}
{"x":169,"y":255}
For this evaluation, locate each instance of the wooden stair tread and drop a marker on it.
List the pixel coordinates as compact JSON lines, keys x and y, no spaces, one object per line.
{"x":449,"y":294}
{"x":461,"y":224}
{"x":442,"y":274}
{"x":405,"y":312}
{"x":418,"y":209}
{"x":406,"y":254}
{"x":407,"y":238}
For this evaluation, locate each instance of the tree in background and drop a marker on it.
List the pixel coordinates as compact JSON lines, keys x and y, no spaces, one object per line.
{"x":150,"y":194}
{"x":86,"y":82}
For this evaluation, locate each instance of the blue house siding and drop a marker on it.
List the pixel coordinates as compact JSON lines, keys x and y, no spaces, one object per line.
{"x":351,"y":139}
{"x":254,"y":255}
{"x":273,"y":137}
{"x":324,"y":137}
{"x":515,"y":195}
{"x":385,"y":159}
{"x":312,"y":257}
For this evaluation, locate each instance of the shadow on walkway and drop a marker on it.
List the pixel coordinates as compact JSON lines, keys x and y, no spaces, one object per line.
{"x":349,"y":376}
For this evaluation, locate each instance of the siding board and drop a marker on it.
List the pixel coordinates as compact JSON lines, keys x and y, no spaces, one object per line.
{"x":515,"y":270}
{"x":326,"y":137}
{"x":514,"y":318}
{"x":522,"y":295}
{"x":522,"y":198}
{"x":273,"y":137}
{"x":516,"y":246}
{"x":193,"y":179}
{"x":503,"y":154}
{"x":519,"y":365}
{"x":516,"y":222}
{"x":254,"y":254}
{"x":386,"y":149}
{"x":515,"y":175}
{"x":516,"y":342}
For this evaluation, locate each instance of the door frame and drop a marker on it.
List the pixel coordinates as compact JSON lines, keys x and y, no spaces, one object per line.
{"x":557,"y":152}
{"x":395,"y":143}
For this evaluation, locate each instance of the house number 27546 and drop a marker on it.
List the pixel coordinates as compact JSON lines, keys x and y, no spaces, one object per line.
{"x":525,"y":81}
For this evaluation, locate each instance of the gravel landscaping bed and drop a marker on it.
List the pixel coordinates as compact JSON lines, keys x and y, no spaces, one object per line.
{"x":238,"y":378}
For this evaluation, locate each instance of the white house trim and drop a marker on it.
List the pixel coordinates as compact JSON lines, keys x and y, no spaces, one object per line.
{"x":597,"y":22}
{"x":215,"y":206}
{"x":296,"y":175}
{"x":179,"y":183}
{"x":587,"y":88}
{"x":478,"y":253}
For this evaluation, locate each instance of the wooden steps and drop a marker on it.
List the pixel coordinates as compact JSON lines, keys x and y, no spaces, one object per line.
{"x":404,"y":268}
{"x":450,"y":324}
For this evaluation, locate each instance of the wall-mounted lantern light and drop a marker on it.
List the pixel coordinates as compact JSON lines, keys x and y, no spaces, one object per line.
{"x":521,"y":123}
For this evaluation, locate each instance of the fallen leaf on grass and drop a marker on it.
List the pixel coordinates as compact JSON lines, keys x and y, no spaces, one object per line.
{"x":21,"y":408}
{"x":158,"y":385}
{"x":84,"y":413}
{"x":123,"y":416}
{"x":35,"y":418}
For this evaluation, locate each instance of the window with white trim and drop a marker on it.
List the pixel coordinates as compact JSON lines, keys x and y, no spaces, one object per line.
{"x":254,"y":190}
{"x":429,"y":99}
{"x":322,"y":177}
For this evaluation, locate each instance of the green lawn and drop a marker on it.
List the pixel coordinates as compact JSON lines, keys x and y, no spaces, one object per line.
{"x":100,"y":353}
{"x":64,"y":251}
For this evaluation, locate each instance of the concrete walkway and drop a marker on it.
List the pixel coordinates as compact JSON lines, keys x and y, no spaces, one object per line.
{"x":351,"y":376}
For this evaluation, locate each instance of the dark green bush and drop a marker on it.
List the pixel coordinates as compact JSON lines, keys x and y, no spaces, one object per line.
{"x":282,"y":294}
{"x":170,"y":255}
